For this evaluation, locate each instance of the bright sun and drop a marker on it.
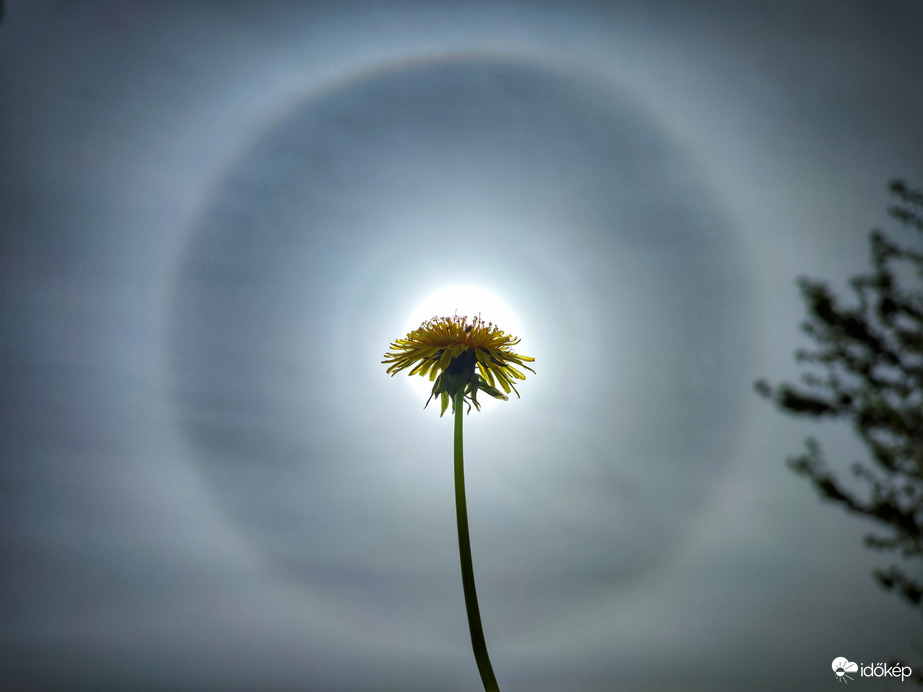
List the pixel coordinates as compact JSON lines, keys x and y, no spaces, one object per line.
{"x":461,"y":299}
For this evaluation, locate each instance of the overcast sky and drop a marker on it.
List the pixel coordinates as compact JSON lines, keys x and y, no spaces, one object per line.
{"x":215,"y":217}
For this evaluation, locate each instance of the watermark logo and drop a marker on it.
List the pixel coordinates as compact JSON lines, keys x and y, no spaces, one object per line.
{"x":843,"y":666}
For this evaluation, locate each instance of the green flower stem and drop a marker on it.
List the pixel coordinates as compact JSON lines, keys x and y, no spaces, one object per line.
{"x":464,"y":552}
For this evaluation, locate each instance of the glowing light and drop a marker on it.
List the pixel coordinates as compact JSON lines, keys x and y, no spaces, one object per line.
{"x":461,"y":299}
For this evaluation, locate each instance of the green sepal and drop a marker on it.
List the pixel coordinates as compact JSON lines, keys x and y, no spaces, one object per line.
{"x":492,"y":391}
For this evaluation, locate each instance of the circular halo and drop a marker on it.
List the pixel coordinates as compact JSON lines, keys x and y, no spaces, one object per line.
{"x":242,"y":396}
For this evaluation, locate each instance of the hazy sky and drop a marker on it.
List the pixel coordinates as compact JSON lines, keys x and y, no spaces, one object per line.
{"x":215,"y":216}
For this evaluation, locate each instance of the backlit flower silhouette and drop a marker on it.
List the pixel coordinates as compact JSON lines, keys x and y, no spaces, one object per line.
{"x":461,"y":358}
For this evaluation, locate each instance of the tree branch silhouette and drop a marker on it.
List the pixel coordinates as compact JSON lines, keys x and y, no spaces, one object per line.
{"x":867,"y":368}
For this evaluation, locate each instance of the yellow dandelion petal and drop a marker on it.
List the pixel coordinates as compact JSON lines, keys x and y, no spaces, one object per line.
{"x":486,"y":374}
{"x":504,"y":381}
{"x":516,"y":373}
{"x":445,"y":359}
{"x":422,"y":369}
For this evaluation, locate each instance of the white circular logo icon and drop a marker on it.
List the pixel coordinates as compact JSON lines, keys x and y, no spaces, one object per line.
{"x":841,"y":666}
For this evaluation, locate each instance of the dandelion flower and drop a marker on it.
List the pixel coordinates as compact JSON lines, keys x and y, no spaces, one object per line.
{"x":460,"y":359}
{"x":459,"y":356}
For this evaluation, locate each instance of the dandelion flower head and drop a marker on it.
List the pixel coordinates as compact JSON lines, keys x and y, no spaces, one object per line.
{"x":460,"y":356}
